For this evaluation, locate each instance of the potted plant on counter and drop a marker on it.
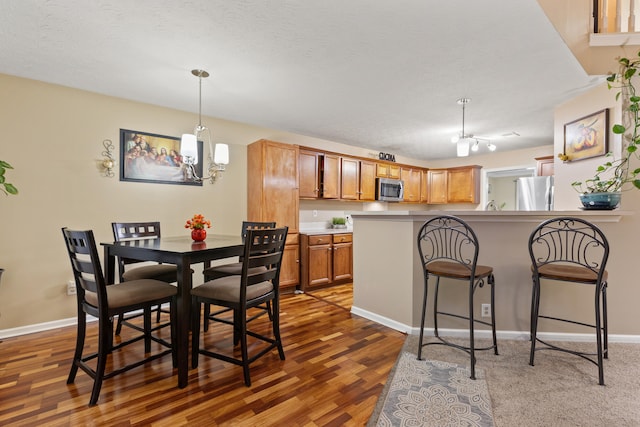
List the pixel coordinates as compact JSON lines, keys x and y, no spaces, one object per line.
{"x":339,"y":222}
{"x":604,"y":189}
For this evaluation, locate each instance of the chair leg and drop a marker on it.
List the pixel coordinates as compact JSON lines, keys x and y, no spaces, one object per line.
{"x":195,"y":331}
{"x":105,"y":327}
{"x":492,"y":282}
{"x":605,"y":323}
{"x":77,"y":355}
{"x":424,"y":315}
{"x":207,"y":313}
{"x":599,"y":337}
{"x":158,"y":313}
{"x":237,"y":332}
{"x":435,"y":307}
{"x":243,"y":345}
{"x":275,"y":321}
{"x":147,"y":329}
{"x":174,"y":328}
{"x":119,"y":326}
{"x":471,"y":331}
{"x":535,"y":309}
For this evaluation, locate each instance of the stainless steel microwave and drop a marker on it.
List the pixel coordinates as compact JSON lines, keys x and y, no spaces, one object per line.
{"x":389,"y":190}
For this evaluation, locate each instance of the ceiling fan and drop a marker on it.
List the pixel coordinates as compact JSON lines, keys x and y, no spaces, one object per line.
{"x":465,"y":141}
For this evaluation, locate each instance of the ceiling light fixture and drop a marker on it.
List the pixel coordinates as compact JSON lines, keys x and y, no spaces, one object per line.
{"x":465,"y":142}
{"x":218,"y":158}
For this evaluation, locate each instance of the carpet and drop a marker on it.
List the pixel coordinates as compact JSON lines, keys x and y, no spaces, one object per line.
{"x":433,"y":393}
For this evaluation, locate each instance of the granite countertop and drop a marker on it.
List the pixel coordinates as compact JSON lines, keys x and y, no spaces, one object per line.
{"x":316,"y":231}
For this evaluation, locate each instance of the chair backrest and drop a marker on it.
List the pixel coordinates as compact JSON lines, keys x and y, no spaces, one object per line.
{"x":123,"y":231}
{"x":87,"y":271}
{"x":252,"y":225}
{"x":263,"y":248}
{"x":448,"y":238}
{"x":569,"y":241}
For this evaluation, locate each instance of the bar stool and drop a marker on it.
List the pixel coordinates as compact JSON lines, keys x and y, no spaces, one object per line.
{"x":572,"y":250}
{"x":449,"y":248}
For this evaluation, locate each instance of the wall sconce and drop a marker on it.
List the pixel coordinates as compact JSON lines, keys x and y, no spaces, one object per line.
{"x":108,"y":163}
{"x":218,"y":159}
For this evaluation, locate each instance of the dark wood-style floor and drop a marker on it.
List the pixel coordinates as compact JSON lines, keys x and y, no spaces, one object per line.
{"x":336,"y":365}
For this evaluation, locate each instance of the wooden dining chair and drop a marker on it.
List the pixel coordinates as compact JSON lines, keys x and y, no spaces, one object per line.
{"x":570,"y":250}
{"x":104,"y":302}
{"x":232,"y":269}
{"x":127,"y":271}
{"x":449,"y":249}
{"x":257,"y":284}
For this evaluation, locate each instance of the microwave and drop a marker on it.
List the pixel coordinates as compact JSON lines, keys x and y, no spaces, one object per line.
{"x":389,"y":190}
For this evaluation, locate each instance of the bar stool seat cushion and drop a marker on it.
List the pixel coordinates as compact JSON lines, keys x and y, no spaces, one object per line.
{"x":570,"y":273}
{"x":228,"y":289}
{"x":164,"y":272}
{"x":133,"y":293}
{"x":456,"y":270}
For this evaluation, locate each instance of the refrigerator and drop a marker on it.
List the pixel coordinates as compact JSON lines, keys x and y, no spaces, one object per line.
{"x":534,"y":193}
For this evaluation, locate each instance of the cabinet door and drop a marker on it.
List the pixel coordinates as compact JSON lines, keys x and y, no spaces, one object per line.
{"x":308,"y":168}
{"x":437,"y":183}
{"x":290,"y":268}
{"x":424,"y":186}
{"x":342,"y":261}
{"x":382,"y":170}
{"x":330,"y":176}
{"x":411,"y":178}
{"x":319,"y":264}
{"x":350,"y":179}
{"x":463,"y":185}
{"x":394,"y":171}
{"x":367,"y":181}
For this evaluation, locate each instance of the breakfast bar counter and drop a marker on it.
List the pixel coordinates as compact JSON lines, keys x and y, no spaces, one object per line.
{"x":388,"y":281}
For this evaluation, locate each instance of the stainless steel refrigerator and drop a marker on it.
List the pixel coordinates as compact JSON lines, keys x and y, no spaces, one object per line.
{"x":534,"y":193}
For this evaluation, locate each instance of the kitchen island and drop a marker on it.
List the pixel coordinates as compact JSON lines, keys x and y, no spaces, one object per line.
{"x":388,"y":280}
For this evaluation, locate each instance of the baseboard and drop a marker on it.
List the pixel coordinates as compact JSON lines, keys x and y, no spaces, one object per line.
{"x":505,"y":335}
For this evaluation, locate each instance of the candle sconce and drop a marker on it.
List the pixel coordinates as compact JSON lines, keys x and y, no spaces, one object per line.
{"x":108,"y":163}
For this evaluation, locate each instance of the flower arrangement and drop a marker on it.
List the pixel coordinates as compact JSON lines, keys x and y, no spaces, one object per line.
{"x":198,"y":222}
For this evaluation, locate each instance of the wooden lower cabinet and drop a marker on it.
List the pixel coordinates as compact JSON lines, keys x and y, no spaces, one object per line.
{"x":326,"y":260}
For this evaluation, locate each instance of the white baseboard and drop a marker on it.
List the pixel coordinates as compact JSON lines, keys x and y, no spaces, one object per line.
{"x":506,"y":335}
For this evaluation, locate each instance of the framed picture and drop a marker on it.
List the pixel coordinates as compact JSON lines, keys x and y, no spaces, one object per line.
{"x":147,"y":157}
{"x":587,"y":137}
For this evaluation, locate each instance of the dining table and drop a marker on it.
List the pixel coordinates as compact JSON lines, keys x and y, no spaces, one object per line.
{"x":182,"y":252}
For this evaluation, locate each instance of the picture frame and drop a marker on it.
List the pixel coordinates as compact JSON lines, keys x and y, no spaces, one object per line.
{"x":587,"y":136}
{"x":152,"y":158}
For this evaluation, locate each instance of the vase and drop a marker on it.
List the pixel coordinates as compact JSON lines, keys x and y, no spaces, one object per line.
{"x":198,"y":234}
{"x":600,"y":201}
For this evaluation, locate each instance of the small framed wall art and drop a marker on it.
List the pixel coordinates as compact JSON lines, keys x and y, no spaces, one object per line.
{"x":587,"y":137}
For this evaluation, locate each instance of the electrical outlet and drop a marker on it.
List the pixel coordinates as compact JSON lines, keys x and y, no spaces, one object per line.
{"x":71,"y":287}
{"x":486,"y":310}
{"x":315,"y":213}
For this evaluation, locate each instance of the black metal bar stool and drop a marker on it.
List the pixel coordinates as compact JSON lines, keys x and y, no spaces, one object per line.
{"x":449,"y":248}
{"x":572,"y":250}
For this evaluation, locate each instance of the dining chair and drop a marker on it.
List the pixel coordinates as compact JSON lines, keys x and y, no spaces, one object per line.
{"x":104,"y":302}
{"x":231,"y":269}
{"x":257,"y":284}
{"x":570,"y":250}
{"x":448,"y":249}
{"x":123,"y":231}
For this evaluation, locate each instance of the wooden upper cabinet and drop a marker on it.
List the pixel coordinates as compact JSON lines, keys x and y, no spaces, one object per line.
{"x":367,"y":181}
{"x":350,"y":187}
{"x":437,"y":186}
{"x":546,"y":166}
{"x":424,"y":186}
{"x":411,"y":178}
{"x":330,"y":176}
{"x":463,"y":184}
{"x":309,"y":167}
{"x":387,"y":170}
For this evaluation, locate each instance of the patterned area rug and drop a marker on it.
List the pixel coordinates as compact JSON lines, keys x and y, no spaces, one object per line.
{"x":433,"y":393}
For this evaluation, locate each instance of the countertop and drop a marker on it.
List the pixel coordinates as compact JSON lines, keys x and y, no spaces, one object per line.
{"x":316,"y":231}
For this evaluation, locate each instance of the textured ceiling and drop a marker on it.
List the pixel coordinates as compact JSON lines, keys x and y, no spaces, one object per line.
{"x":379,"y":74}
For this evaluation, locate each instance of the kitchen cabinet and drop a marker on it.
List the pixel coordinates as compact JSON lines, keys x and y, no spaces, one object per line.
{"x":454,"y":185}
{"x":387,"y":170}
{"x":424,"y":186}
{"x":545,"y":166}
{"x":358,"y":179}
{"x":326,"y":259}
{"x":319,"y":175}
{"x":411,"y":178}
{"x":272,"y":193}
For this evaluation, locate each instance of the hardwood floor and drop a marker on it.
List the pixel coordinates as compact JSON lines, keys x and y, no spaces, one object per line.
{"x":336,"y":365}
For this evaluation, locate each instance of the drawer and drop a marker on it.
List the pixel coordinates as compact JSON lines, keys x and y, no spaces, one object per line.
{"x":343,"y":238}
{"x":319,"y":239}
{"x":292,"y":239}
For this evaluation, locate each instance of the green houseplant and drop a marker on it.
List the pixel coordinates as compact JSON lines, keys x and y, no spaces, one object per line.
{"x":603,"y":190}
{"x":6,"y":187}
{"x":339,"y":222}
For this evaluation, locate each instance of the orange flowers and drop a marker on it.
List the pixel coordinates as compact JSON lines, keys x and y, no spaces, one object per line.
{"x":197,"y":222}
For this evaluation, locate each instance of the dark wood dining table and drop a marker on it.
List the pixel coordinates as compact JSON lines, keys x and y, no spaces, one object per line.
{"x":182,"y":252}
